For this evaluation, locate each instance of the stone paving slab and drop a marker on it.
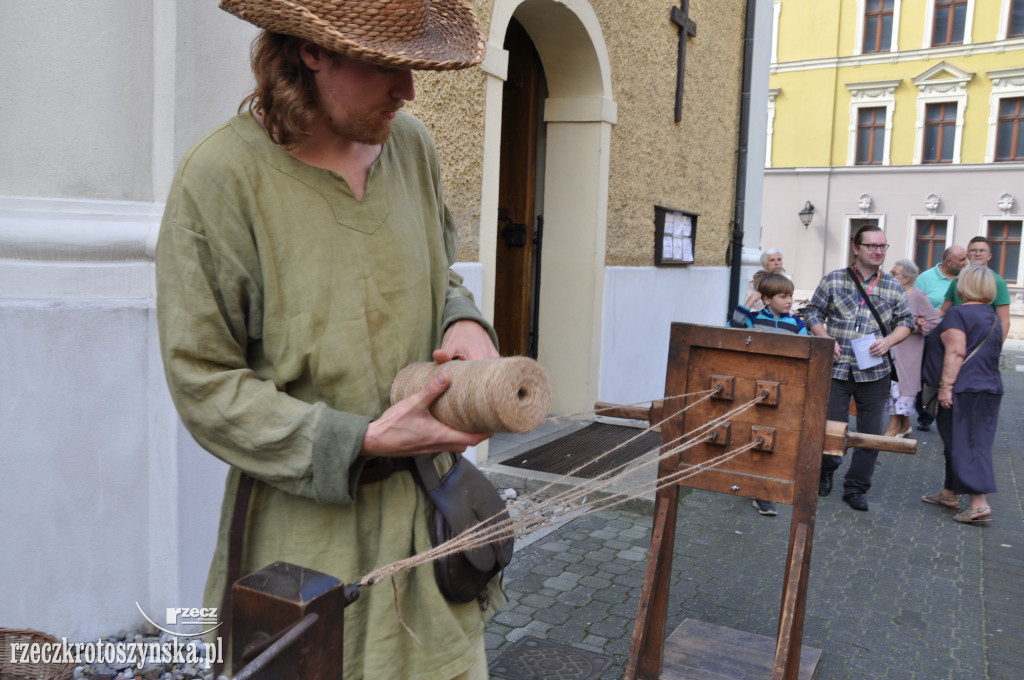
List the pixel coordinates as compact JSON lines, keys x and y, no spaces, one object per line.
{"x":898,"y":592}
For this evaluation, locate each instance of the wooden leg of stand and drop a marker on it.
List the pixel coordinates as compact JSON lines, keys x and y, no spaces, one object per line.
{"x":787,"y":647}
{"x":648,"y":648}
{"x":267,"y":602}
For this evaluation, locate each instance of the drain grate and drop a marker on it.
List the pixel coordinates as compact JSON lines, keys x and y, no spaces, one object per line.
{"x":535,"y":659}
{"x":567,"y":453}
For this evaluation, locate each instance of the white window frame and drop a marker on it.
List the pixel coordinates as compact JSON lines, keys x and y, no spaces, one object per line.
{"x":985,"y":219}
{"x":929,"y":24}
{"x":932,"y":90}
{"x":870,"y":95}
{"x":1006,"y":83}
{"x":912,"y":231}
{"x":858,"y":45}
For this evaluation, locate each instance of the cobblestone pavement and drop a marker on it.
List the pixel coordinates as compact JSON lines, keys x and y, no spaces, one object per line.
{"x":898,"y":592}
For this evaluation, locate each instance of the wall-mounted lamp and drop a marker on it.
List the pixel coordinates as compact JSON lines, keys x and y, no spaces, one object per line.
{"x":807,"y":214}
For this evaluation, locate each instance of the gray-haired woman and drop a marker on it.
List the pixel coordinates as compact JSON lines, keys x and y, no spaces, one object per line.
{"x":907,"y":355}
{"x":771,"y":263}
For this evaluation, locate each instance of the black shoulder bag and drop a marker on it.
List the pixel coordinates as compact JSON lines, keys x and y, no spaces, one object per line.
{"x":461,"y":499}
{"x":874,"y":313}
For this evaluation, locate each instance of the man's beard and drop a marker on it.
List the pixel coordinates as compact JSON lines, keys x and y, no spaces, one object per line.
{"x":363,"y":131}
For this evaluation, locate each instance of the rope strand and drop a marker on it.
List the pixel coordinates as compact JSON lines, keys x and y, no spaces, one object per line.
{"x":550,"y":510}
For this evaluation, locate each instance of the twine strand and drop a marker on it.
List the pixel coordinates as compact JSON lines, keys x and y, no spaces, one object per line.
{"x":549,"y":511}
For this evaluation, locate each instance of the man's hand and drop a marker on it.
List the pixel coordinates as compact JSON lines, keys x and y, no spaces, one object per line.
{"x":879,"y":348}
{"x":465,"y":339}
{"x":409,"y":429}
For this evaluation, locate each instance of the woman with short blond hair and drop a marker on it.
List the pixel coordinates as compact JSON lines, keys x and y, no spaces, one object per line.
{"x":963,"y":361}
{"x":976,"y":284}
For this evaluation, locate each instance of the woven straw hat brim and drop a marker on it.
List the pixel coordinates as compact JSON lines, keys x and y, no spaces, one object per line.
{"x":433,"y":35}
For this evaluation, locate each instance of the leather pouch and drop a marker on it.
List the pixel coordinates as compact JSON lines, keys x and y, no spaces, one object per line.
{"x":461,"y":499}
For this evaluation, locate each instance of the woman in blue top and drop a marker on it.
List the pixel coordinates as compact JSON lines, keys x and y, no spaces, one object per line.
{"x":962,"y":357}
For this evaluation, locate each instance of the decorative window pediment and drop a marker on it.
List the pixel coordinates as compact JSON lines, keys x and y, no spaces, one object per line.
{"x":942,"y":79}
{"x":873,"y":91}
{"x":1008,"y":81}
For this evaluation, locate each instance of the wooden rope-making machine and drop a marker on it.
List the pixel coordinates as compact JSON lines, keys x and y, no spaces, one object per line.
{"x":287,"y":621}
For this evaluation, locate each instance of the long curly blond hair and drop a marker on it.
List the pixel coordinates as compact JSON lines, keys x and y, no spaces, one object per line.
{"x":285,"y":93}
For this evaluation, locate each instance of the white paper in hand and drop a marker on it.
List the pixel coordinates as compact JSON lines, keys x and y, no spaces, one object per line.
{"x":862,"y":352}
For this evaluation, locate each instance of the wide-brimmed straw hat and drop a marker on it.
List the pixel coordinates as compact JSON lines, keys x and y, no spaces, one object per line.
{"x":434,"y":35}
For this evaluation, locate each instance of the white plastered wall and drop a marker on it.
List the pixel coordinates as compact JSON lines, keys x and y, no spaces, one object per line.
{"x":107,"y":501}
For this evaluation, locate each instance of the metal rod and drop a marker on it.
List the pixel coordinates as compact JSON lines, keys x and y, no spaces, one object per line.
{"x":296,"y":631}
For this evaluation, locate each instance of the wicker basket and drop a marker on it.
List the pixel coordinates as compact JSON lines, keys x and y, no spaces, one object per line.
{"x":29,"y":671}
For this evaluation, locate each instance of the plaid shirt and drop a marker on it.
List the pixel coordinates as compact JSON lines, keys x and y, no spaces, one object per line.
{"x":838,"y":304}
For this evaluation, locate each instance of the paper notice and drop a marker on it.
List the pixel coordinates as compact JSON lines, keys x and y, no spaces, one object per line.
{"x":862,"y":352}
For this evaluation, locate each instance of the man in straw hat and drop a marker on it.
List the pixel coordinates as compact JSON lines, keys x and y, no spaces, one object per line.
{"x":303,"y":260}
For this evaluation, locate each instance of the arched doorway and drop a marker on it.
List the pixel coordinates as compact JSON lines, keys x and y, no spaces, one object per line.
{"x":571,"y":186}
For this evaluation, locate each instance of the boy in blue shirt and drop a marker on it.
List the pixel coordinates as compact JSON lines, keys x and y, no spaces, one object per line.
{"x":777,"y":294}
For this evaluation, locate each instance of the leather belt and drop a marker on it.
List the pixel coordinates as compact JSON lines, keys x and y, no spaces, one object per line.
{"x":379,"y":469}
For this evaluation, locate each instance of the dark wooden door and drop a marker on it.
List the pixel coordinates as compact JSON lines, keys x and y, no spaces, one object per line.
{"x":517,"y":261}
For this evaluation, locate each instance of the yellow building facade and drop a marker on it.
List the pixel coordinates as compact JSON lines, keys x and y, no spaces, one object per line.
{"x":905,"y":113}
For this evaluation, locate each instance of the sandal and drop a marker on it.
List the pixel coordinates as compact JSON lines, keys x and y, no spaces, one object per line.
{"x":942,"y":499}
{"x":974,"y":515}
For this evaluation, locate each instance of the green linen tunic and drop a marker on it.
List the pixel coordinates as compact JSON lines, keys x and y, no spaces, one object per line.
{"x":286,"y":307}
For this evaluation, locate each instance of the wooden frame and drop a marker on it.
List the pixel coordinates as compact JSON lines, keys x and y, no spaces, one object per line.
{"x":1001,"y":240}
{"x":676,"y":244}
{"x":796,"y":371}
{"x":1015,"y":20}
{"x":1010,"y":123}
{"x":929,"y":244}
{"x":874,"y":14}
{"x":947,"y":10}
{"x":940,"y":126}
{"x":875,"y":131}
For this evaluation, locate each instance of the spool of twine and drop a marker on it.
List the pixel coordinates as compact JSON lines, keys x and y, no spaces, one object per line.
{"x":510,"y":394}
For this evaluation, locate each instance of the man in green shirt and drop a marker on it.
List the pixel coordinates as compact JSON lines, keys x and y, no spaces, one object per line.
{"x":303,"y":260}
{"x":979,"y":252}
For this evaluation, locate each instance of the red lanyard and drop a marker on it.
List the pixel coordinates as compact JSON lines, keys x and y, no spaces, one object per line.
{"x":870,"y":288}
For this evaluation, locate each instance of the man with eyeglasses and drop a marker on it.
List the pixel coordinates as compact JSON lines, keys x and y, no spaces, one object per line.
{"x":979,"y":252}
{"x":844,"y":307}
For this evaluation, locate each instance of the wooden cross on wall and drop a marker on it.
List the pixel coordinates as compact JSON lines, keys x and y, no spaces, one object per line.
{"x":687,"y":28}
